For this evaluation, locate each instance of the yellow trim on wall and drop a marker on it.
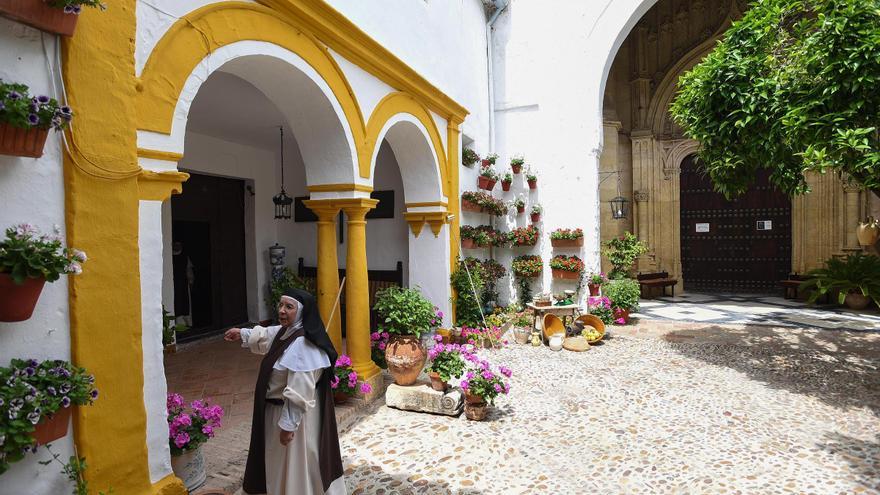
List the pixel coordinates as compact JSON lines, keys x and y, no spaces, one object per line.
{"x":453,"y":134}
{"x":340,"y":188}
{"x":168,"y":156}
{"x":394,"y":104}
{"x":159,"y":186}
{"x":344,"y":37}
{"x":425,"y":204}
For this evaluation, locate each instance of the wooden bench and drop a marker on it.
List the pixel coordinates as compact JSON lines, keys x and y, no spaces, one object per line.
{"x":377,"y":280}
{"x":649,"y":281}
{"x":790,"y":286}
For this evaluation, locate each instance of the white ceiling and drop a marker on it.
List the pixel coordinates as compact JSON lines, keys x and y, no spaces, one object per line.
{"x":228,"y":107}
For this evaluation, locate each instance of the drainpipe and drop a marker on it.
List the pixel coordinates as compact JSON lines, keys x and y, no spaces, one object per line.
{"x":500,"y":5}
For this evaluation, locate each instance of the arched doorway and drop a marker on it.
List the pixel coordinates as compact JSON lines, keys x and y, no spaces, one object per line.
{"x":739,"y":245}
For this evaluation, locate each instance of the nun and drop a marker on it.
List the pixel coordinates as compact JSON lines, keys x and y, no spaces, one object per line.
{"x":294,"y":448}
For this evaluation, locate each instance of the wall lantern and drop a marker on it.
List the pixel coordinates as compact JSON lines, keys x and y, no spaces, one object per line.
{"x":619,"y":204}
{"x":283,"y":202}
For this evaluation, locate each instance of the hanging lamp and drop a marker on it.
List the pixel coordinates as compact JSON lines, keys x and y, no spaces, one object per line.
{"x":283,"y":202}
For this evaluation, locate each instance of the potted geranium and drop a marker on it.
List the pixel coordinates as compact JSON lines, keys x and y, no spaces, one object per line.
{"x":344,"y":381}
{"x":488,"y":178}
{"x":522,"y":326}
{"x":481,"y":386}
{"x":506,"y":181}
{"x":472,"y":201}
{"x":446,"y":361}
{"x":53,"y":16}
{"x":28,"y":260}
{"x":404,"y":313}
{"x":624,"y":295}
{"x":25,"y":120}
{"x":190,"y":427}
{"x":600,"y":306}
{"x":622,"y":252}
{"x":469,"y":236}
{"x":537,"y":209}
{"x":594,"y":282}
{"x":490,"y":160}
{"x":566,"y":267}
{"x":567,"y":238}
{"x":532,"y":179}
{"x":378,"y":343}
{"x":519,"y":204}
{"x":469,"y":157}
{"x":527,"y":266}
{"x":36,"y":399}
{"x":516,"y":163}
{"x":525,"y":236}
{"x":494,"y":206}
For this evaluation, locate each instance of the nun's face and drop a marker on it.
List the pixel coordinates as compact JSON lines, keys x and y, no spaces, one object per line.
{"x":286,"y":311}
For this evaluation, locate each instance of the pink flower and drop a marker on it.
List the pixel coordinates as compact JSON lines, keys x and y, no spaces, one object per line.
{"x":353,"y":376}
{"x":366,"y":388}
{"x":464,"y":385}
{"x":385,"y":335}
{"x":438,"y":338}
{"x":181,"y":439}
{"x":208,"y":430}
{"x":382,"y":346}
{"x":505,"y":371}
{"x":498,"y":388}
{"x":174,"y":401}
{"x":374,"y":336}
{"x":334,"y":382}
{"x":620,"y":321}
{"x":488,"y":375}
{"x":343,"y":361}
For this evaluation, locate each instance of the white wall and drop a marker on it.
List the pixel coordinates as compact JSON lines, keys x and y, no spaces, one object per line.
{"x":32,"y":191}
{"x":212,"y":156}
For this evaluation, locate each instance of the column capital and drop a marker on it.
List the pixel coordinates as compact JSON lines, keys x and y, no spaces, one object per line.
{"x":325,"y":209}
{"x":356,"y":208}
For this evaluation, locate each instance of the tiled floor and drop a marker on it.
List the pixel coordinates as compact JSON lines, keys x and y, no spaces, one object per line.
{"x":757,"y":310}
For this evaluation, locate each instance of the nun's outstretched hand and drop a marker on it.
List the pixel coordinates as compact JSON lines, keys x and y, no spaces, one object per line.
{"x":232,"y":335}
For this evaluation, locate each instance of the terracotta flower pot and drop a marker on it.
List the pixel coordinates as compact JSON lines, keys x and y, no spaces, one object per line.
{"x":22,"y":142}
{"x":38,"y":14}
{"x":437,"y":383}
{"x":594,"y":289}
{"x":579,"y":242}
{"x":868,"y":235}
{"x":621,"y":313}
{"x":516,"y":168}
{"x":485,"y":163}
{"x":475,"y":408}
{"x":468,"y":244}
{"x":533,"y":184}
{"x":520,"y":210}
{"x":52,"y":428}
{"x":505,"y":186}
{"x":17,"y":302}
{"x":406,"y":357}
{"x":536,"y":217}
{"x":565,"y":274}
{"x":339,"y":397}
{"x":855,"y":300}
{"x":485,"y":183}
{"x":468,"y":206}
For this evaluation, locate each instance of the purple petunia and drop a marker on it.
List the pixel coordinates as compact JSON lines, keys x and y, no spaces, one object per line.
{"x":34,"y":417}
{"x":14,"y":95}
{"x":33,"y":119}
{"x":43,"y":99}
{"x":93,"y":394}
{"x":65,"y":402}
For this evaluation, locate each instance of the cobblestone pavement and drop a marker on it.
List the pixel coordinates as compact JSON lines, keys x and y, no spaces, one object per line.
{"x":658,"y":408}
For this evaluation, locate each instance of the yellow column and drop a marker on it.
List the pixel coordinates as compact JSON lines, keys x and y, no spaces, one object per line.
{"x":328,"y":268}
{"x":357,"y":290}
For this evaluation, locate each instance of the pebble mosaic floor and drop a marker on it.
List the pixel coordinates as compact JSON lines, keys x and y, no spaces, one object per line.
{"x":757,"y":309}
{"x":641,"y":416}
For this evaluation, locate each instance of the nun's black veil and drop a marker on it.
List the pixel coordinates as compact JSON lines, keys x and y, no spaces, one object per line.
{"x":312,"y":324}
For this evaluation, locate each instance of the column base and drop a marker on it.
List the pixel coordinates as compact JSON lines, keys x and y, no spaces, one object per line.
{"x":169,"y":485}
{"x":366,"y":370}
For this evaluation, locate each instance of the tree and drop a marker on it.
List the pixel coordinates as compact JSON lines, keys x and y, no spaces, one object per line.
{"x":792,"y":87}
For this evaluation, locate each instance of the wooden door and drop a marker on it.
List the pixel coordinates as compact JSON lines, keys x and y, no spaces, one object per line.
{"x":741,"y":245}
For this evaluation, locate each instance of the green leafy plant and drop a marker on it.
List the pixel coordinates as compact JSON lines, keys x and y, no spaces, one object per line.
{"x":21,"y":110}
{"x":524,"y":290}
{"x":468,"y":282}
{"x":567,"y":263}
{"x":446,"y":360}
{"x":492,"y":158}
{"x":857,"y":273}
{"x":31,"y":391}
{"x":517,"y":161}
{"x":489,"y":173}
{"x":25,"y":253}
{"x":531,"y":176}
{"x":277,"y":287}
{"x":486,"y":202}
{"x":537,"y":209}
{"x":507,"y":178}
{"x":518,"y":203}
{"x":624,"y":293}
{"x":566,"y":234}
{"x":792,"y":87}
{"x":600,"y":307}
{"x":597,"y":279}
{"x":483,"y":382}
{"x":170,"y":328}
{"x":469,"y":157}
{"x":527,"y":265}
{"x":623,"y":252}
{"x":525,"y":236}
{"x":74,"y":469}
{"x":345,"y":378}
{"x":522,"y":319}
{"x":404,"y":311}
{"x":75,"y":6}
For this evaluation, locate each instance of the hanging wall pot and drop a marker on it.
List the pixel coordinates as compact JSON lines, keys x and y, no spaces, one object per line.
{"x":39,"y":14}
{"x":17,"y":302}
{"x":27,"y":142}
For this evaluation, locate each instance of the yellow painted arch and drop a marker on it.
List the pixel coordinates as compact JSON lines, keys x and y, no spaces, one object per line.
{"x":394,"y":104}
{"x":201,"y":32}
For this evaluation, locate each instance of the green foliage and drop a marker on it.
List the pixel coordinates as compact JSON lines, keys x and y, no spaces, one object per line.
{"x":29,"y":392}
{"x":623,"y":293}
{"x":447,"y":361}
{"x":567,"y":234}
{"x":792,"y":87}
{"x":21,"y":110}
{"x":169,"y":328}
{"x":277,"y":288}
{"x":524,"y":290}
{"x":404,"y":311}
{"x":74,"y":469}
{"x":517,"y":161}
{"x":466,"y":300}
{"x":25,"y":253}
{"x":623,"y":252}
{"x":469,"y":157}
{"x":74,"y":6}
{"x":855,"y":273}
{"x":527,"y":265}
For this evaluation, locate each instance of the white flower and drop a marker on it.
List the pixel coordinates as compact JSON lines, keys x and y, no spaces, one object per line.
{"x":80,"y":256}
{"x":56,"y":229}
{"x":73,"y":268}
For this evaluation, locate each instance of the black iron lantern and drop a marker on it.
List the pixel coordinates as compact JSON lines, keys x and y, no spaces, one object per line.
{"x":283,"y":202}
{"x":619,"y":207}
